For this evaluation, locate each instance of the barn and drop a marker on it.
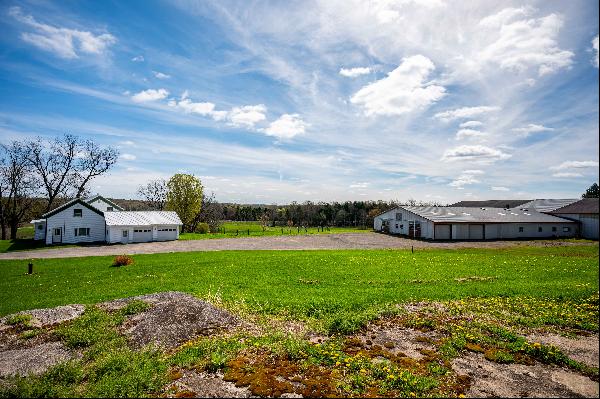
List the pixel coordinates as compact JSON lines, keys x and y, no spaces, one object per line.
{"x":100,"y":220}
{"x":584,"y":211}
{"x":466,"y":223}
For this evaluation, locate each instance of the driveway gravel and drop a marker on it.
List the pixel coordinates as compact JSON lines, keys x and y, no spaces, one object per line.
{"x":295,"y":242}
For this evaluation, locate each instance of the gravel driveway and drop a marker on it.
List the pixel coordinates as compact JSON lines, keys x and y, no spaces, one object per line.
{"x":313,"y":241}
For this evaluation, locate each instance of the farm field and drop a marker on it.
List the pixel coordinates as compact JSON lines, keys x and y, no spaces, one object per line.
{"x":382,"y":322}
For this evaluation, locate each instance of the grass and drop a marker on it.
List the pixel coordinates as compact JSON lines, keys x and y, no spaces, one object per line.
{"x":340,"y":288}
{"x":489,"y":297}
{"x":254,"y":229}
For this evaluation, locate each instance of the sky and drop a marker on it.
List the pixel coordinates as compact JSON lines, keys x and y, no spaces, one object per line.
{"x":273,"y":102}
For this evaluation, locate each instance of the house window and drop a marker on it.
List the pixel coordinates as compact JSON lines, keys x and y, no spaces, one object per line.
{"x":554,"y":229}
{"x":77,"y":213}
{"x":57,"y":232}
{"x":539,"y":229}
{"x":396,"y":225}
{"x":125,"y":233}
{"x":109,"y":208}
{"x":41,"y":227}
{"x":566,"y":229}
{"x":401,"y":226}
{"x":399,"y":216}
{"x":520,"y":229}
{"x":82,"y":231}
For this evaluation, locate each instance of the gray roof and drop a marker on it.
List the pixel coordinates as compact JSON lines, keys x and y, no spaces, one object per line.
{"x":440,"y":214}
{"x":501,"y":203}
{"x":586,"y":205}
{"x":141,"y":218}
{"x":548,"y":205}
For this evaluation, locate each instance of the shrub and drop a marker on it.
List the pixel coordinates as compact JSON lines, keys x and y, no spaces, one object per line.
{"x":122,"y":260}
{"x":202,"y":228}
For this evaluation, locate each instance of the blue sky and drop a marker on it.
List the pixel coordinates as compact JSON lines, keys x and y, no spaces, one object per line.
{"x":271,"y":102}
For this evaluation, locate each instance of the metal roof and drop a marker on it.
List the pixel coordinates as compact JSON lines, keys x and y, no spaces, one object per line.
{"x":441,"y":214}
{"x":548,"y":205}
{"x":38,"y":221}
{"x":141,"y":218}
{"x":586,"y":205}
{"x":508,"y":203}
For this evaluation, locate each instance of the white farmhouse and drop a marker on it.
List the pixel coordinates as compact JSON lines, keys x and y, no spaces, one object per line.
{"x":100,"y":220}
{"x":464,"y":223}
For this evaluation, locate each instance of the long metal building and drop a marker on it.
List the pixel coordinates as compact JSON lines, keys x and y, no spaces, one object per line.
{"x":464,"y":223}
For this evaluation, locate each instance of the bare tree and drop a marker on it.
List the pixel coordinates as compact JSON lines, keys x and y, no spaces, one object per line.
{"x":154,"y":193}
{"x":67,"y":164}
{"x":211,"y":213}
{"x":93,"y":161}
{"x":55,"y":164}
{"x":20,"y":186}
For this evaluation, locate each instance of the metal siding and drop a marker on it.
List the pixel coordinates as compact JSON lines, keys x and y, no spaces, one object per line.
{"x":476,"y":232}
{"x":442,"y":231}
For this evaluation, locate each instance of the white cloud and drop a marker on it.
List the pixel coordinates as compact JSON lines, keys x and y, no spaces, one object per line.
{"x":566,"y":174}
{"x":467,"y":177}
{"x":520,"y":44}
{"x":404,"y":90}
{"x":354,"y":72}
{"x":470,"y":124}
{"x":127,"y":143}
{"x":160,"y":75}
{"x":138,"y":58}
{"x":62,"y":42}
{"x":248,"y":115}
{"x":359,"y":185}
{"x":469,"y":133}
{"x":201,"y":108}
{"x":286,"y":127}
{"x":465,"y":112}
{"x":532,"y":128}
{"x":150,"y":95}
{"x":575,"y":165}
{"x":500,"y":188}
{"x":128,"y":157}
{"x":478,"y":153}
{"x":595,"y":48}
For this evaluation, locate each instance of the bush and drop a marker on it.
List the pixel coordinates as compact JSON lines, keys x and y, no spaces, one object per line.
{"x":122,"y":260}
{"x":202,"y":228}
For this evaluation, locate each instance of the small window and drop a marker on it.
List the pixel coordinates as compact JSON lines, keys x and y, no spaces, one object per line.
{"x":399,"y":216}
{"x":82,"y":231}
{"x":109,"y":208}
{"x":125,"y":233}
{"x":396,"y":225}
{"x":520,"y":229}
{"x":57,"y":232}
{"x":41,"y":227}
{"x":77,"y":213}
{"x":401,"y":226}
{"x":539,"y":229}
{"x":566,"y":229}
{"x":554,"y":229}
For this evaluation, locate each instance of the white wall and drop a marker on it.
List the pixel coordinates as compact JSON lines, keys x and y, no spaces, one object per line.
{"x":100,"y":204}
{"x":65,"y":220}
{"x":401,"y":226}
{"x":115,"y":233}
{"x":39,"y":234}
{"x":589,"y":223}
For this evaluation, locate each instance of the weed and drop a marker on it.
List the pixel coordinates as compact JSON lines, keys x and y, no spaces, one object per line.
{"x":122,"y":260}
{"x":19,"y":320}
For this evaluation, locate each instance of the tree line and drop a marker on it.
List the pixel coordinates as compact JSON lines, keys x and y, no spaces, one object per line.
{"x":38,"y":175}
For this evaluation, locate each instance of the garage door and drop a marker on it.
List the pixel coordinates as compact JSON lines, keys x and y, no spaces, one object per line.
{"x":167,"y":233}
{"x":142,"y":235}
{"x":475,"y":232}
{"x":442,"y":231}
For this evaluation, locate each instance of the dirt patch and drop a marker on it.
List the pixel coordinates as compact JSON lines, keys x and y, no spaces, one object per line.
{"x":33,"y":360}
{"x":174,"y":318}
{"x":489,"y":379}
{"x":205,"y":385}
{"x":584,"y":349}
{"x":398,"y":340}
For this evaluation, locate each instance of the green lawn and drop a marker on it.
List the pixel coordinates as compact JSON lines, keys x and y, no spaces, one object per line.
{"x":308,"y":284}
{"x":245,"y":229}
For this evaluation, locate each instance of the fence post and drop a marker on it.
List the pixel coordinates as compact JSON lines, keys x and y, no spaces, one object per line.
{"x":30,"y":268}
{"x":248,"y":231}
{"x":237,"y":232}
